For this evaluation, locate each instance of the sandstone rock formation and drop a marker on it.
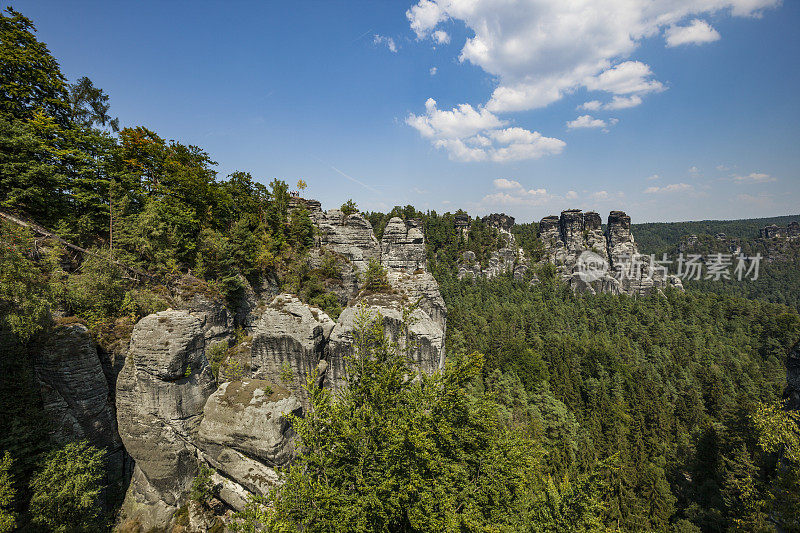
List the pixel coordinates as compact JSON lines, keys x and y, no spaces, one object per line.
{"x":198,"y":299}
{"x":161,"y":392}
{"x":171,"y":415}
{"x":76,"y":397}
{"x":288,"y":343}
{"x":403,"y":245}
{"x":245,"y":435}
{"x":423,"y":342}
{"x":509,"y":258}
{"x":592,"y":261}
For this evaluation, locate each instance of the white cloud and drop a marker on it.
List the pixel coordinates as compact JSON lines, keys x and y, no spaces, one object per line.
{"x":697,"y":32}
{"x":571,"y":195}
{"x":672,"y":187}
{"x":693,"y":170}
{"x":754,"y":177}
{"x":388,"y":41}
{"x":433,"y":71}
{"x":630,"y":77}
{"x":600,"y":195}
{"x":513,"y":193}
{"x":653,"y":177}
{"x":470,"y":134}
{"x":592,"y":105}
{"x":586,"y":121}
{"x":441,"y":37}
{"x":540,"y":50}
{"x":623,"y":102}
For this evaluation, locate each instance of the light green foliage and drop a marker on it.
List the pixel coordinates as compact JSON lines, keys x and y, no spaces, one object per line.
{"x":203,"y":488}
{"x":66,"y":489}
{"x":393,"y":454}
{"x":8,"y":518}
{"x":216,"y":355}
{"x":25,"y":295}
{"x":778,"y":432}
{"x":374,"y":279}
{"x":287,"y":374}
{"x":349,"y":207}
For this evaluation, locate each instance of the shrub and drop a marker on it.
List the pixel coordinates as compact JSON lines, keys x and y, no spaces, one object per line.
{"x":375,"y":279}
{"x":66,"y":489}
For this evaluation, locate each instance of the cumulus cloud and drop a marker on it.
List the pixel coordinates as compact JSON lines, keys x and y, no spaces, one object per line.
{"x":470,"y":134}
{"x":571,"y":195}
{"x":653,"y":177}
{"x":671,"y":188}
{"x":441,"y":37}
{"x":383,"y":40}
{"x":433,"y":71}
{"x":755,"y":177}
{"x":696,"y":32}
{"x":512,"y":192}
{"x":540,"y":50}
{"x":592,"y":105}
{"x":586,"y":121}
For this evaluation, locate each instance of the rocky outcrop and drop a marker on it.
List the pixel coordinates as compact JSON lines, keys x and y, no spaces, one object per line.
{"x":245,"y":436}
{"x":350,"y":236}
{"x":76,"y":398}
{"x":773,"y":231}
{"x":197,"y":298}
{"x":288,"y":342}
{"x":403,"y":245}
{"x":423,"y":342}
{"x":161,"y":392}
{"x":592,"y":261}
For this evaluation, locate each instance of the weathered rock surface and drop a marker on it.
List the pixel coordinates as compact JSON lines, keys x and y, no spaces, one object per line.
{"x":403,"y":245}
{"x":288,"y":342}
{"x":351,"y":236}
{"x":424,"y":344}
{"x":421,"y":288}
{"x":161,"y":392}
{"x":592,"y":261}
{"x":245,"y":435}
{"x":76,"y":397}
{"x":199,"y":300}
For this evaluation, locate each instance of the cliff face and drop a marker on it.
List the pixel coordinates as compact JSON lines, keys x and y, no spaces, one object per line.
{"x":174,"y":416}
{"x":592,"y":261}
{"x":589,"y":259}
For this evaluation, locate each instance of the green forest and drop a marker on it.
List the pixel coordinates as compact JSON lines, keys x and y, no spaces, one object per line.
{"x":556,"y":412}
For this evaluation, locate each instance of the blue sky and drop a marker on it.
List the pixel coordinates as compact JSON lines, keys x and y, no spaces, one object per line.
{"x":670,"y":110}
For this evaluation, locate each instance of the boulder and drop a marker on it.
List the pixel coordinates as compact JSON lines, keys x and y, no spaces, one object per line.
{"x":245,"y":436}
{"x":249,"y":417}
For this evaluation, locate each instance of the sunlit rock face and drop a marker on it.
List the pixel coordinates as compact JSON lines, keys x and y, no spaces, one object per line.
{"x":422,"y":340}
{"x":288,"y":342}
{"x":161,"y":393}
{"x":403,"y":245}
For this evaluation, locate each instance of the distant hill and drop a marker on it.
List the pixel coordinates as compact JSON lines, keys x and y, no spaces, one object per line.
{"x":657,"y":237}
